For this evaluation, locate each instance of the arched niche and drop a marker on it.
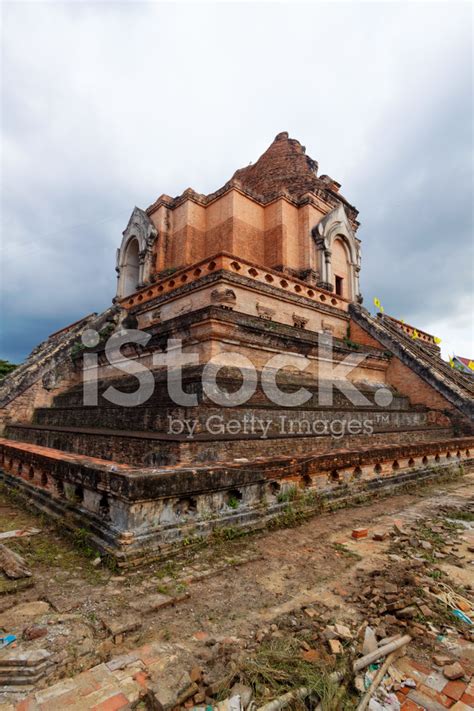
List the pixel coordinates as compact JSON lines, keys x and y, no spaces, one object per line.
{"x":338,"y":254}
{"x":134,"y":258}
{"x":130,"y":269}
{"x":341,"y":268}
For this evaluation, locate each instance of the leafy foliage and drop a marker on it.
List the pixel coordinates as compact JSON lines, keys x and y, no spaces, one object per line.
{"x":6,"y":368}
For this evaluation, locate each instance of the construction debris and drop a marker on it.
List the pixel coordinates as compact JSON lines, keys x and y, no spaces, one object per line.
{"x":6,"y":640}
{"x":453,"y":671}
{"x":20,"y":533}
{"x":370,"y":641}
{"x":381,"y":652}
{"x":12,"y":564}
{"x":360,"y":533}
{"x":375,"y":683}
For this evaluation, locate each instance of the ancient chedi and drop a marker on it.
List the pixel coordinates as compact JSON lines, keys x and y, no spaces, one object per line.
{"x":266,"y":266}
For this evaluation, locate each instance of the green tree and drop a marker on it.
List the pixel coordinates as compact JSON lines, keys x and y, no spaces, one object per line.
{"x":6,"y":367}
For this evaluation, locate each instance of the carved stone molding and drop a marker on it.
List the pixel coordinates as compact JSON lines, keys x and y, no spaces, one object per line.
{"x":299,"y":321}
{"x":225,"y":298}
{"x":265,"y":312}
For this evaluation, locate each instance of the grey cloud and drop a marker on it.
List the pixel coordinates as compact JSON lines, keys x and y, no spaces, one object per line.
{"x":107,"y":105}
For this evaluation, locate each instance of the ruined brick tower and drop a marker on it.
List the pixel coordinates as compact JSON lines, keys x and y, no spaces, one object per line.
{"x":276,"y":213}
{"x":267,"y":266}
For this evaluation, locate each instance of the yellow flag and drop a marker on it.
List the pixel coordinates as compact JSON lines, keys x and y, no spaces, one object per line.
{"x":415,"y":334}
{"x":382,"y":309}
{"x":451,"y":362}
{"x":377,"y":303}
{"x":437,"y":340}
{"x":402,"y":320}
{"x":471,"y":364}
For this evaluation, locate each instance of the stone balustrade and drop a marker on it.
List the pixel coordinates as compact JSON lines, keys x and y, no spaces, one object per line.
{"x":227,"y":262}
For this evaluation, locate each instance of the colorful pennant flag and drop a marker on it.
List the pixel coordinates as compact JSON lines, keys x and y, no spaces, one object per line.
{"x":377,"y":303}
{"x":414,"y":334}
{"x":437,"y":340}
{"x":451,"y":362}
{"x":470,"y":365}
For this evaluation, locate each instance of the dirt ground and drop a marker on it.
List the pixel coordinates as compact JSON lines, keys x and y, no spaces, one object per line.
{"x":241,"y":592}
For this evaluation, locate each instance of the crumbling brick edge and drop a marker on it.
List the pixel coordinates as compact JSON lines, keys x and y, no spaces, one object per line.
{"x":136,"y":516}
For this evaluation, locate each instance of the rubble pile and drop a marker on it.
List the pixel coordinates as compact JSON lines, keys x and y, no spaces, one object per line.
{"x":412,"y":592}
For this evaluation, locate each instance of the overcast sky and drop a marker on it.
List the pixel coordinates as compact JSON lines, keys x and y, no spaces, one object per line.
{"x":107,"y":105}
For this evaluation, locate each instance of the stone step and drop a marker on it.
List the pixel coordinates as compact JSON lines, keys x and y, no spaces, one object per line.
{"x":17,"y":658}
{"x":154,"y":449}
{"x":24,"y":669}
{"x":156,"y":418}
{"x":192,"y":381}
{"x":18,"y":680}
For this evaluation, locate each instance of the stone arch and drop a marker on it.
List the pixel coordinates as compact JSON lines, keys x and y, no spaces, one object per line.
{"x":335,"y":241}
{"x":134,"y":258}
{"x":130,"y":268}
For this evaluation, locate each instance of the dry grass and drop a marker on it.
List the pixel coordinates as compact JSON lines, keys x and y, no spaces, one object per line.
{"x":279,"y":667}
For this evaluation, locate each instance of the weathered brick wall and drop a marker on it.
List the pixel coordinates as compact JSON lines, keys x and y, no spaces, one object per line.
{"x":409,"y":383}
{"x":134,"y":514}
{"x":22,"y":407}
{"x":263,"y":212}
{"x":359,"y":335}
{"x":48,"y":370}
{"x":283,"y":166}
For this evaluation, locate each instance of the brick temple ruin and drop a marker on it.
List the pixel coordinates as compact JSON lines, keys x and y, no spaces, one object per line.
{"x":268,"y":264}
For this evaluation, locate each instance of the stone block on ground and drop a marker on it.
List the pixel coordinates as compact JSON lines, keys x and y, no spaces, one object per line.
{"x":122,"y":625}
{"x":12,"y":564}
{"x":453,"y":671}
{"x":152,"y":603}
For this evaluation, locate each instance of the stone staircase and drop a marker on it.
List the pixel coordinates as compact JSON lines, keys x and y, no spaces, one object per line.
{"x":153,"y":434}
{"x":140,"y":485}
{"x":21,"y":670}
{"x":423,"y":359}
{"x":46,"y":367}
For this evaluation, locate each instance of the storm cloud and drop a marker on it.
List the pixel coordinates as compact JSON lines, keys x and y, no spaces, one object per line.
{"x":107,"y":105}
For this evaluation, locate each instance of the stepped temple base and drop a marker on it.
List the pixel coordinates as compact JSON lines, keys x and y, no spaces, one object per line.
{"x":138,"y":515}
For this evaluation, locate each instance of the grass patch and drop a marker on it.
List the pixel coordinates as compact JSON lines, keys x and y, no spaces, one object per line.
{"x":168,"y":570}
{"x":424,"y":532}
{"x":458,"y":515}
{"x":55,"y":547}
{"x":341,"y":548}
{"x":289,"y":494}
{"x":226,"y":533}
